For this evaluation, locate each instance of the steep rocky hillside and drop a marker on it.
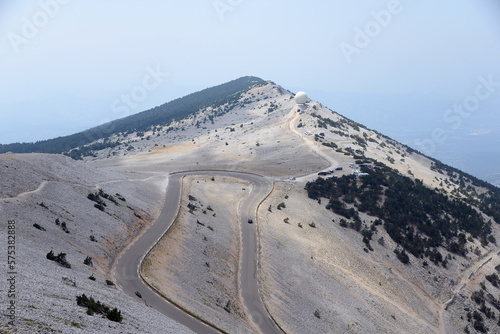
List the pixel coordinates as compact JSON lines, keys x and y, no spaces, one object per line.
{"x":391,"y":241}
{"x":90,"y":215}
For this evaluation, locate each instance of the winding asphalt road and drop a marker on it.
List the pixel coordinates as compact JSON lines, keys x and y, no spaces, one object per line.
{"x":127,"y":267}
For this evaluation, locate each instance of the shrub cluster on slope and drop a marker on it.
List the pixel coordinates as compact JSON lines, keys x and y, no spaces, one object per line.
{"x":59,"y":258}
{"x":417,"y":218}
{"x":95,"y":306}
{"x":100,"y":203}
{"x":488,"y":202}
{"x":486,"y":304}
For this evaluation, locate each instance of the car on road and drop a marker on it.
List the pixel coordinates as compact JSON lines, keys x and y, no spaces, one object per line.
{"x":338,"y":168}
{"x":250,"y":220}
{"x":138,"y":294}
{"x":323,"y":173}
{"x":292,"y":178}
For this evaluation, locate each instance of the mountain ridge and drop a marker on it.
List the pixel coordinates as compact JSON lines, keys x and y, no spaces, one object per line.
{"x":97,"y":138}
{"x":157,"y":116}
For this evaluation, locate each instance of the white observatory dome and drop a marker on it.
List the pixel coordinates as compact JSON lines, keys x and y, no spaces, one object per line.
{"x":301,"y":97}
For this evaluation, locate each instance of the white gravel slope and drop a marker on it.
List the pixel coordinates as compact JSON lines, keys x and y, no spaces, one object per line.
{"x":45,"y":292}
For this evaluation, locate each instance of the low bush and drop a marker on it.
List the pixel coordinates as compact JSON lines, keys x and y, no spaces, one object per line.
{"x":59,"y":258}
{"x":95,"y":306}
{"x":37,"y":226}
{"x":88,"y":261}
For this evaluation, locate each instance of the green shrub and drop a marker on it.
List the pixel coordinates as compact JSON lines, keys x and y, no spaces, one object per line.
{"x":88,"y":261}
{"x":37,"y":226}
{"x":493,"y":278}
{"x":59,"y":258}
{"x":191,"y":207}
{"x":51,"y":256}
{"x":402,"y":256}
{"x":95,"y":306}
{"x":115,"y":315}
{"x":64,"y":227}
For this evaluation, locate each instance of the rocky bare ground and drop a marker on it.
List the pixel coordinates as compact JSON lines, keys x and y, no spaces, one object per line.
{"x":51,"y":191}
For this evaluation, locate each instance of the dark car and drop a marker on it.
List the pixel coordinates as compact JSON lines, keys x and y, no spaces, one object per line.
{"x":138,"y":294}
{"x":250,"y":220}
{"x":338,"y":168}
{"x":323,"y":173}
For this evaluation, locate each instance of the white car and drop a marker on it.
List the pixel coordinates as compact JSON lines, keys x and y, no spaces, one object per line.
{"x":292,"y":178}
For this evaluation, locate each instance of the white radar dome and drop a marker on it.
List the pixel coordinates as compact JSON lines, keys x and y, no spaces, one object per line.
{"x":301,"y":97}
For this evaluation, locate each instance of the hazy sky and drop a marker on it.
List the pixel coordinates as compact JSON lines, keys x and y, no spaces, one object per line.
{"x":396,"y":66}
